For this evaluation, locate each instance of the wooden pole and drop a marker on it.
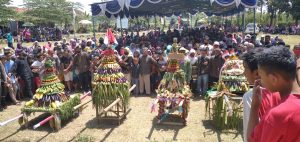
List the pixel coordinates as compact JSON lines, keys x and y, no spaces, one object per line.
{"x":82,"y":104}
{"x":11,"y":120}
{"x":110,"y":106}
{"x":132,"y":87}
{"x":85,"y":95}
{"x":43,"y":122}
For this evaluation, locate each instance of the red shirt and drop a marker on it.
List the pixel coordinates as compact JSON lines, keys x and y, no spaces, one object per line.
{"x":269,"y":100}
{"x":281,"y":123}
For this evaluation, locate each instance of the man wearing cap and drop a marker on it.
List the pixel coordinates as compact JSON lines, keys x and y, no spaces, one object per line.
{"x":216,"y":45}
{"x":186,"y":65}
{"x":202,"y":72}
{"x":146,"y":62}
{"x":247,"y":38}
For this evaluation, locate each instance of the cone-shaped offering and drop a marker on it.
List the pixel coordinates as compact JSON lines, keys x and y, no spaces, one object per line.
{"x":50,"y":97}
{"x":109,"y":82}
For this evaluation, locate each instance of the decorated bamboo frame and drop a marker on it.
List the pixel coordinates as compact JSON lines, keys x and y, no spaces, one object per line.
{"x":180,"y":104}
{"x":224,"y":106}
{"x":173,"y":94}
{"x":116,"y":110}
{"x":66,"y":111}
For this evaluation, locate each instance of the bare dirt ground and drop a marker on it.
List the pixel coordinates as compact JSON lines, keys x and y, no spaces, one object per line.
{"x":140,"y":126}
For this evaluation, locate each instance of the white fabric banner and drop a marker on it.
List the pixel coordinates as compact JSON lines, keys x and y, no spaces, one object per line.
{"x":124,"y":22}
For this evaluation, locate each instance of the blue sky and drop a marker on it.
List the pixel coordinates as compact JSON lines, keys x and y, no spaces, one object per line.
{"x":84,"y":2}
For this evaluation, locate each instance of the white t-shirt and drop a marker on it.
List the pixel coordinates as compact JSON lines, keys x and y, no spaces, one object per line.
{"x":247,"y":99}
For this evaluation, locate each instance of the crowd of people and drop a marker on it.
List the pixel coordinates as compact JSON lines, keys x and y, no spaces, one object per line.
{"x":31,"y":34}
{"x":143,"y":59}
{"x":292,"y":29}
{"x":270,"y":109}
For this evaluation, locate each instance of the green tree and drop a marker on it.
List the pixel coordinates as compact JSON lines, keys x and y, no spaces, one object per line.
{"x":6,"y":13}
{"x":295,"y":10}
{"x":50,"y":11}
{"x":278,"y":7}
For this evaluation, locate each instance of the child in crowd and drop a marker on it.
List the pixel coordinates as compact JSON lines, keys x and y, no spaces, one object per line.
{"x":277,"y":70}
{"x":135,"y":75}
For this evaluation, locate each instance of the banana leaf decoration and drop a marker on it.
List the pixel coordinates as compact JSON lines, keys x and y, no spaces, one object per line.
{"x":50,"y":97}
{"x":110,"y":83}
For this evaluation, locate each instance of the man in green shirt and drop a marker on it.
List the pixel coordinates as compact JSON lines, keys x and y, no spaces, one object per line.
{"x":185,"y":65}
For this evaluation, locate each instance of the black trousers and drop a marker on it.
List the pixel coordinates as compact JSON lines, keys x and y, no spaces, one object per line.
{"x":85,"y":81}
{"x":28,"y":82}
{"x":2,"y":95}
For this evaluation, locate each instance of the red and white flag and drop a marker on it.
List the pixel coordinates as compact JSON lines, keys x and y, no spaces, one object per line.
{"x":110,"y":38}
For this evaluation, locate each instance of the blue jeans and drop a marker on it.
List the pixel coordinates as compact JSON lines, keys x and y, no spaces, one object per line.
{"x":136,"y":82}
{"x":202,"y":83}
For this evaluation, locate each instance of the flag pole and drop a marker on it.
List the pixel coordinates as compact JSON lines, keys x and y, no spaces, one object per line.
{"x":94,"y":33}
{"x":74,"y":22}
{"x":121,"y":27}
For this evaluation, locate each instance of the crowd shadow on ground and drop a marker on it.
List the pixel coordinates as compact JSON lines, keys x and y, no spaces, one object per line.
{"x":164,"y":127}
{"x":96,"y":124}
{"x":34,"y":119}
{"x":210,"y":129}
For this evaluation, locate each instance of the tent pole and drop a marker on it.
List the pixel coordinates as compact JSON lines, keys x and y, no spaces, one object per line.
{"x":148,"y":22}
{"x":138,"y":27}
{"x":191,"y":21}
{"x":164,"y":23}
{"x":238,"y":19}
{"x":254,"y":12}
{"x":74,"y":28}
{"x":155,"y":23}
{"x":121,"y":26}
{"x":231,"y":18}
{"x":94,"y":32}
{"x":243,"y":22}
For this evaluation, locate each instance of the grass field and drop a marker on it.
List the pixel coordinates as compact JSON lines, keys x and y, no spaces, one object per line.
{"x":291,"y":40}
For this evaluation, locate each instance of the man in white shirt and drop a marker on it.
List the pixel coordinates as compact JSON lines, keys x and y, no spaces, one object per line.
{"x":251,"y":73}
